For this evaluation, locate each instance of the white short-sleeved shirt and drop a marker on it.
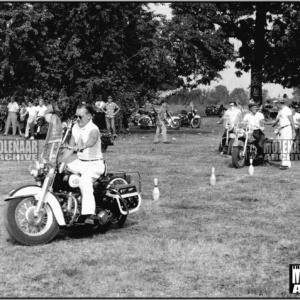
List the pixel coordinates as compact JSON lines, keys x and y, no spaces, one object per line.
{"x":100,"y":104}
{"x":81,"y":136}
{"x":232,"y":115}
{"x":41,"y":110}
{"x":254,"y":120}
{"x":31,"y":111}
{"x":13,"y":107}
{"x":296,"y":118}
{"x":283,"y":116}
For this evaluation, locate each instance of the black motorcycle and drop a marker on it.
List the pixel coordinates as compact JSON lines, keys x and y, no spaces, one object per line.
{"x":190,"y":118}
{"x":34,"y":214}
{"x":213,"y":110}
{"x":147,"y":119}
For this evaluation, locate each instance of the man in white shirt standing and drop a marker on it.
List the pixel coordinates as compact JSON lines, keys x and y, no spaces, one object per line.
{"x":286,"y":131}
{"x":86,"y":141}
{"x":231,"y":116}
{"x":13,"y":109}
{"x":257,"y":122}
{"x":31,"y":110}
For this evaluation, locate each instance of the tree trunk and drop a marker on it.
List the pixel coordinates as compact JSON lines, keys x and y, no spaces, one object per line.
{"x":258,"y":53}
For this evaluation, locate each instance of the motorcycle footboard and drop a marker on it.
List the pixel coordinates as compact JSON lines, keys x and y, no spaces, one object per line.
{"x":130,"y":196}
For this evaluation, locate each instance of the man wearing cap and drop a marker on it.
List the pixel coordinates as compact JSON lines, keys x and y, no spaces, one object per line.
{"x":257,"y":121}
{"x":286,"y":131}
{"x":231,"y":116}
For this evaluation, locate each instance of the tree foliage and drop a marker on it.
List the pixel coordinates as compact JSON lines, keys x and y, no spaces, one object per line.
{"x":71,"y":51}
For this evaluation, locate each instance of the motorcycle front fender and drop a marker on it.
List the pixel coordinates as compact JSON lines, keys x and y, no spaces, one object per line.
{"x":232,"y":135}
{"x":238,"y":143}
{"x":33,"y":190}
{"x":197,"y":117}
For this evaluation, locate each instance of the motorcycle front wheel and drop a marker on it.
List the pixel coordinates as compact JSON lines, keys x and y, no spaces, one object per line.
{"x":196,"y":123}
{"x":175,"y":124}
{"x":26,"y":229}
{"x":238,"y":160}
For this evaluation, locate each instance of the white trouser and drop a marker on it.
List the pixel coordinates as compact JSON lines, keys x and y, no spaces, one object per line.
{"x":30,"y":125}
{"x":286,"y":138}
{"x":90,"y":171}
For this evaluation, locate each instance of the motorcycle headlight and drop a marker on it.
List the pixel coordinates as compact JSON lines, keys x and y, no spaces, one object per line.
{"x":34,"y":173}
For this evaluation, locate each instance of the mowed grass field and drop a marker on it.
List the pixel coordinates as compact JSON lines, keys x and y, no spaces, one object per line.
{"x":235,"y":239}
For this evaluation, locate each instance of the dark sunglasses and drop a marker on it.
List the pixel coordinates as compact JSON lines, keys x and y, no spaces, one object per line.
{"x":76,"y":117}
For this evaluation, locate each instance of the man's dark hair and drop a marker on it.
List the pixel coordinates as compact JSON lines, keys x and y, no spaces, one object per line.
{"x":162,"y":102}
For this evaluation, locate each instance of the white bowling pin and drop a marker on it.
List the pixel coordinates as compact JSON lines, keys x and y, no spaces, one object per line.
{"x":213,"y":177}
{"x":251,"y":168}
{"x":155,"y":193}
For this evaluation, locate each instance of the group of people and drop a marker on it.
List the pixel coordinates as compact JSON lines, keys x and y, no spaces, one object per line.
{"x":28,"y":114}
{"x":287,"y":132}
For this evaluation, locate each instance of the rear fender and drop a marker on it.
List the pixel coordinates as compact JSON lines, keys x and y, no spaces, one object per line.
{"x":34,"y":190}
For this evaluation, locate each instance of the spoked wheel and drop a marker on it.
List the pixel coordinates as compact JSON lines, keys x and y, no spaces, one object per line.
{"x":196,"y":123}
{"x":238,"y":160}
{"x":175,"y":124}
{"x":24,"y":227}
{"x":231,"y":141}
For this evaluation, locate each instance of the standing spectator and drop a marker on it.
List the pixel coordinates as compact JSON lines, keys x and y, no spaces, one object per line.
{"x":286,"y":131}
{"x":22,"y":118}
{"x":31,"y":110}
{"x":41,"y":111}
{"x":13,"y":109}
{"x":161,"y":128}
{"x":110,"y":109}
{"x":296,"y":117}
{"x":99,"y":118}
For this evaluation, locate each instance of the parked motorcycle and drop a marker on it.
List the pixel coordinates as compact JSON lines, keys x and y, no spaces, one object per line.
{"x":148,"y":119}
{"x":34,"y":214}
{"x":190,"y":118}
{"x":213,"y":110}
{"x":229,"y":139}
{"x":244,"y":146}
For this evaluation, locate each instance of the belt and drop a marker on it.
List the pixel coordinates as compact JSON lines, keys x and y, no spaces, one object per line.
{"x":90,"y":159}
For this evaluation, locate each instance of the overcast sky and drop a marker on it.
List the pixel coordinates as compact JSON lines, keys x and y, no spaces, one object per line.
{"x":229,"y":78}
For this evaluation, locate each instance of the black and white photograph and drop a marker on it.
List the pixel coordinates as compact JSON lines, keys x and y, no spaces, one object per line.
{"x":149,"y":149}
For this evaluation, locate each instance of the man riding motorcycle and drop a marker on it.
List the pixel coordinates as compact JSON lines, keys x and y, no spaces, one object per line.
{"x":232,"y":114}
{"x":86,"y":141}
{"x":255,"y":119}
